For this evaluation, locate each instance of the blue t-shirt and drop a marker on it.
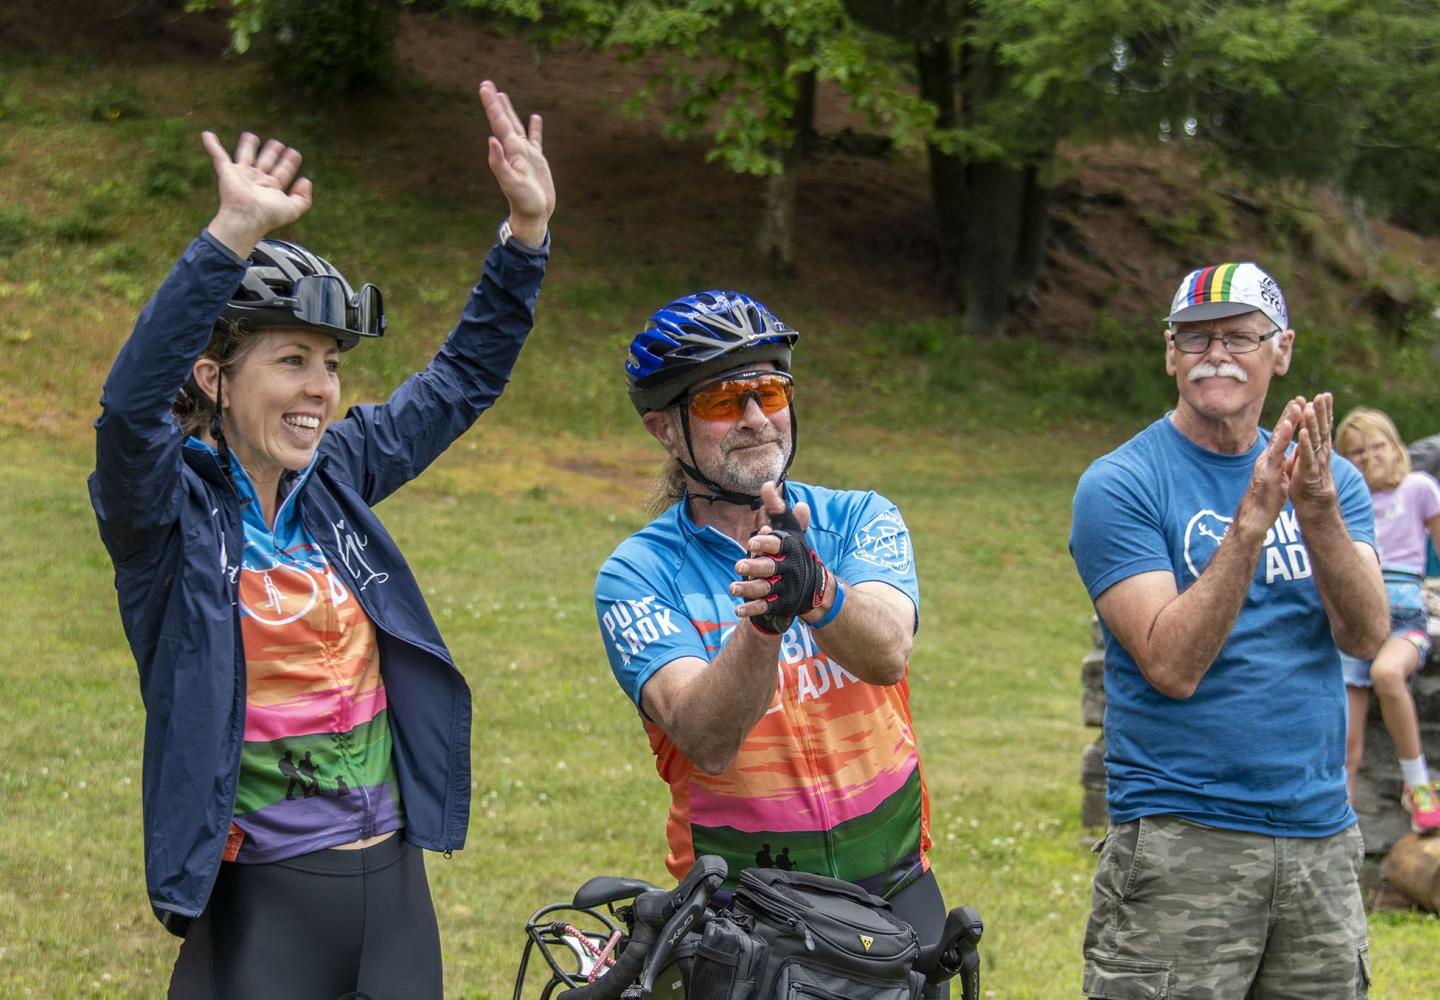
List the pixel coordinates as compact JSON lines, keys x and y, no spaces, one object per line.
{"x":1260,"y":745}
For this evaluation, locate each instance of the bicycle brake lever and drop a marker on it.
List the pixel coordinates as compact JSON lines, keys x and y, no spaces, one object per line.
{"x":683,"y":907}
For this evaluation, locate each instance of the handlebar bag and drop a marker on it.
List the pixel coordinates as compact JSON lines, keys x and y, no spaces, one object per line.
{"x":796,"y":936}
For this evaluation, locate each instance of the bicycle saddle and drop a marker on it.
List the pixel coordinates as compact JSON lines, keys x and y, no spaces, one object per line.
{"x":604,"y":889}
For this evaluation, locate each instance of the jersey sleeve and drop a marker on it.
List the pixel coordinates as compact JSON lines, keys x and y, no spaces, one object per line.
{"x":877,"y":546}
{"x":1115,"y":530}
{"x":1355,"y":504}
{"x":643,"y":623}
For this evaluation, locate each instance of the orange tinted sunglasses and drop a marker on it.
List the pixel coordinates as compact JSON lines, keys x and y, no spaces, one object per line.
{"x":726,"y":398}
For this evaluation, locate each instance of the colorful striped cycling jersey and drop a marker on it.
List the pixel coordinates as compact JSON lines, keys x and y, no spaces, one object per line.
{"x":829,"y":780}
{"x":316,"y":767}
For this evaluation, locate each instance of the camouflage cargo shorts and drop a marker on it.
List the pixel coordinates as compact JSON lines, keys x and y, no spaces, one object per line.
{"x":1186,"y":911}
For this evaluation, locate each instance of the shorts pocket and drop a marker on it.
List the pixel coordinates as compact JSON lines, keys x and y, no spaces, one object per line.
{"x":1111,"y":978}
{"x":1115,"y":875}
{"x":1362,"y":978}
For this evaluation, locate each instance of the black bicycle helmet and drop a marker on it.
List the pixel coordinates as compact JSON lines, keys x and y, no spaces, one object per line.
{"x":288,"y":286}
{"x":701,"y":335}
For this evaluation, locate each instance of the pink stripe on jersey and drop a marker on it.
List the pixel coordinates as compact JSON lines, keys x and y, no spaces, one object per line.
{"x":313,"y":712}
{"x":789,"y":809}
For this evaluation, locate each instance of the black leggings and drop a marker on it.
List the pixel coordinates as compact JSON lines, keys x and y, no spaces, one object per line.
{"x":316,"y":927}
{"x":921,"y":906}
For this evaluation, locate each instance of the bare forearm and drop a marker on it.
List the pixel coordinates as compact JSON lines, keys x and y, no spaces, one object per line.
{"x":1349,"y":582}
{"x":1186,"y":634}
{"x":710,"y":717}
{"x":869,"y":638}
{"x":1189,"y":632}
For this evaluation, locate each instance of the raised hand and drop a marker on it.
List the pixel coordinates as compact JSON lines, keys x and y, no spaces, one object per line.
{"x":518,"y":162}
{"x":256,"y":189}
{"x":1311,"y":482}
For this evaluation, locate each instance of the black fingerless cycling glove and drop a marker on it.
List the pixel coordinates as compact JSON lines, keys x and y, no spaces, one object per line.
{"x":800,"y":577}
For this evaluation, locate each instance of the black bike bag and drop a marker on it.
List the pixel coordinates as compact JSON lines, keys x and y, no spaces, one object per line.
{"x":796,"y":936}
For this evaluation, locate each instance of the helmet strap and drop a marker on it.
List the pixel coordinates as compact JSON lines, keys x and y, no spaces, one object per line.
{"x":217,"y":427}
{"x":721,"y":494}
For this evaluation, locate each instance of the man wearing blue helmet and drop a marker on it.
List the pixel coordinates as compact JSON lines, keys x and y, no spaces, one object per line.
{"x":762,"y":627}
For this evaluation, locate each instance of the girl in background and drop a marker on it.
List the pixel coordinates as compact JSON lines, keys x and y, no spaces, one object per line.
{"x":1407,"y":509}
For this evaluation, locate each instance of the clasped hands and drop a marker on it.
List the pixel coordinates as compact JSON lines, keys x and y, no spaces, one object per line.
{"x":1303,"y":477}
{"x":781,"y":576}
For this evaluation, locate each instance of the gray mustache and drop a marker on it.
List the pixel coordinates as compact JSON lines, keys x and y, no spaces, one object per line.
{"x":1226,"y":369}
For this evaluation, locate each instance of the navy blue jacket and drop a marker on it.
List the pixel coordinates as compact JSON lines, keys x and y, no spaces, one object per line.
{"x":171,"y":521}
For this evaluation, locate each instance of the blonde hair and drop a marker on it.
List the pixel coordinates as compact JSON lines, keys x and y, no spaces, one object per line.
{"x":1364,"y":421}
{"x":668,"y":488}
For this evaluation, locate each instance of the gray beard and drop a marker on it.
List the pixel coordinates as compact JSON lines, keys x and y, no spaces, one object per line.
{"x":748,"y":476}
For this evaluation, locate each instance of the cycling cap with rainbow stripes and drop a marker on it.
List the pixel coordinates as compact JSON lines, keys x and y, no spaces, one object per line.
{"x":1228,"y":290}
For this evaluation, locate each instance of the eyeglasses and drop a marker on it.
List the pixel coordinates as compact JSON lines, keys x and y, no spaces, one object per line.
{"x":321,"y":300}
{"x":1195,"y":342}
{"x":727,"y":397}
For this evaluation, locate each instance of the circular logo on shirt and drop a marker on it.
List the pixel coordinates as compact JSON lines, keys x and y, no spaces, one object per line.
{"x":278,"y":595}
{"x":884,"y":542}
{"x":1203,"y":536}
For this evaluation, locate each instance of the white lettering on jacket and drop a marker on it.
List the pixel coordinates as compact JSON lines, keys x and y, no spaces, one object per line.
{"x":351,"y":546}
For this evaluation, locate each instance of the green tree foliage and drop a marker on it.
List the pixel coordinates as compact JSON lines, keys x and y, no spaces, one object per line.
{"x":1333,"y":91}
{"x":744,"y":73}
{"x":324,"y":48}
{"x":1343,"y":92}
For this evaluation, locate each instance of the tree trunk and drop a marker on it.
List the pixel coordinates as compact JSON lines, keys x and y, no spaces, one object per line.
{"x":1413,"y":867}
{"x":1034,"y":228}
{"x":992,"y":243}
{"x":777,"y":225}
{"x":935,"y":65}
{"x":990,"y":215}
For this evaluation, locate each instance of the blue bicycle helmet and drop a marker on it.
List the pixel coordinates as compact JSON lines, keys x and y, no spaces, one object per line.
{"x":288,"y":286}
{"x":702,"y":335}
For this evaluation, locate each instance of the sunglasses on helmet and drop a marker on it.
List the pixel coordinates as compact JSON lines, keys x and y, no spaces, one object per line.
{"x":322,"y":300}
{"x":726,"y":397}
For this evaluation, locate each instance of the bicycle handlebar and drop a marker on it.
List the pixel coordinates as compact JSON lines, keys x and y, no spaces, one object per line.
{"x":956,"y":953}
{"x":661,"y":920}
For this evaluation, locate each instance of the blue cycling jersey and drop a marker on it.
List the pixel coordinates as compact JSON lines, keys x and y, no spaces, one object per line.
{"x":829,"y":780}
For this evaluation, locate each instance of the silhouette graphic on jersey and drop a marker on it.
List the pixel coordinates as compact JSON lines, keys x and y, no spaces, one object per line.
{"x":286,"y":765}
{"x":306,"y":767}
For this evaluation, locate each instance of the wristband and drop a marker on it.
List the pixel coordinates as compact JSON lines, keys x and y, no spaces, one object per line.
{"x":834,"y":611}
{"x":506,"y":237}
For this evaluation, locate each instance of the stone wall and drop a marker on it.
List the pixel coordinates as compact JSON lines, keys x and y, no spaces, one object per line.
{"x":1377,"y":792}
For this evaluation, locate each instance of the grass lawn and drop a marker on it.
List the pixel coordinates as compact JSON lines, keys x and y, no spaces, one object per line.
{"x":505,"y":534}
{"x":564,"y":786}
